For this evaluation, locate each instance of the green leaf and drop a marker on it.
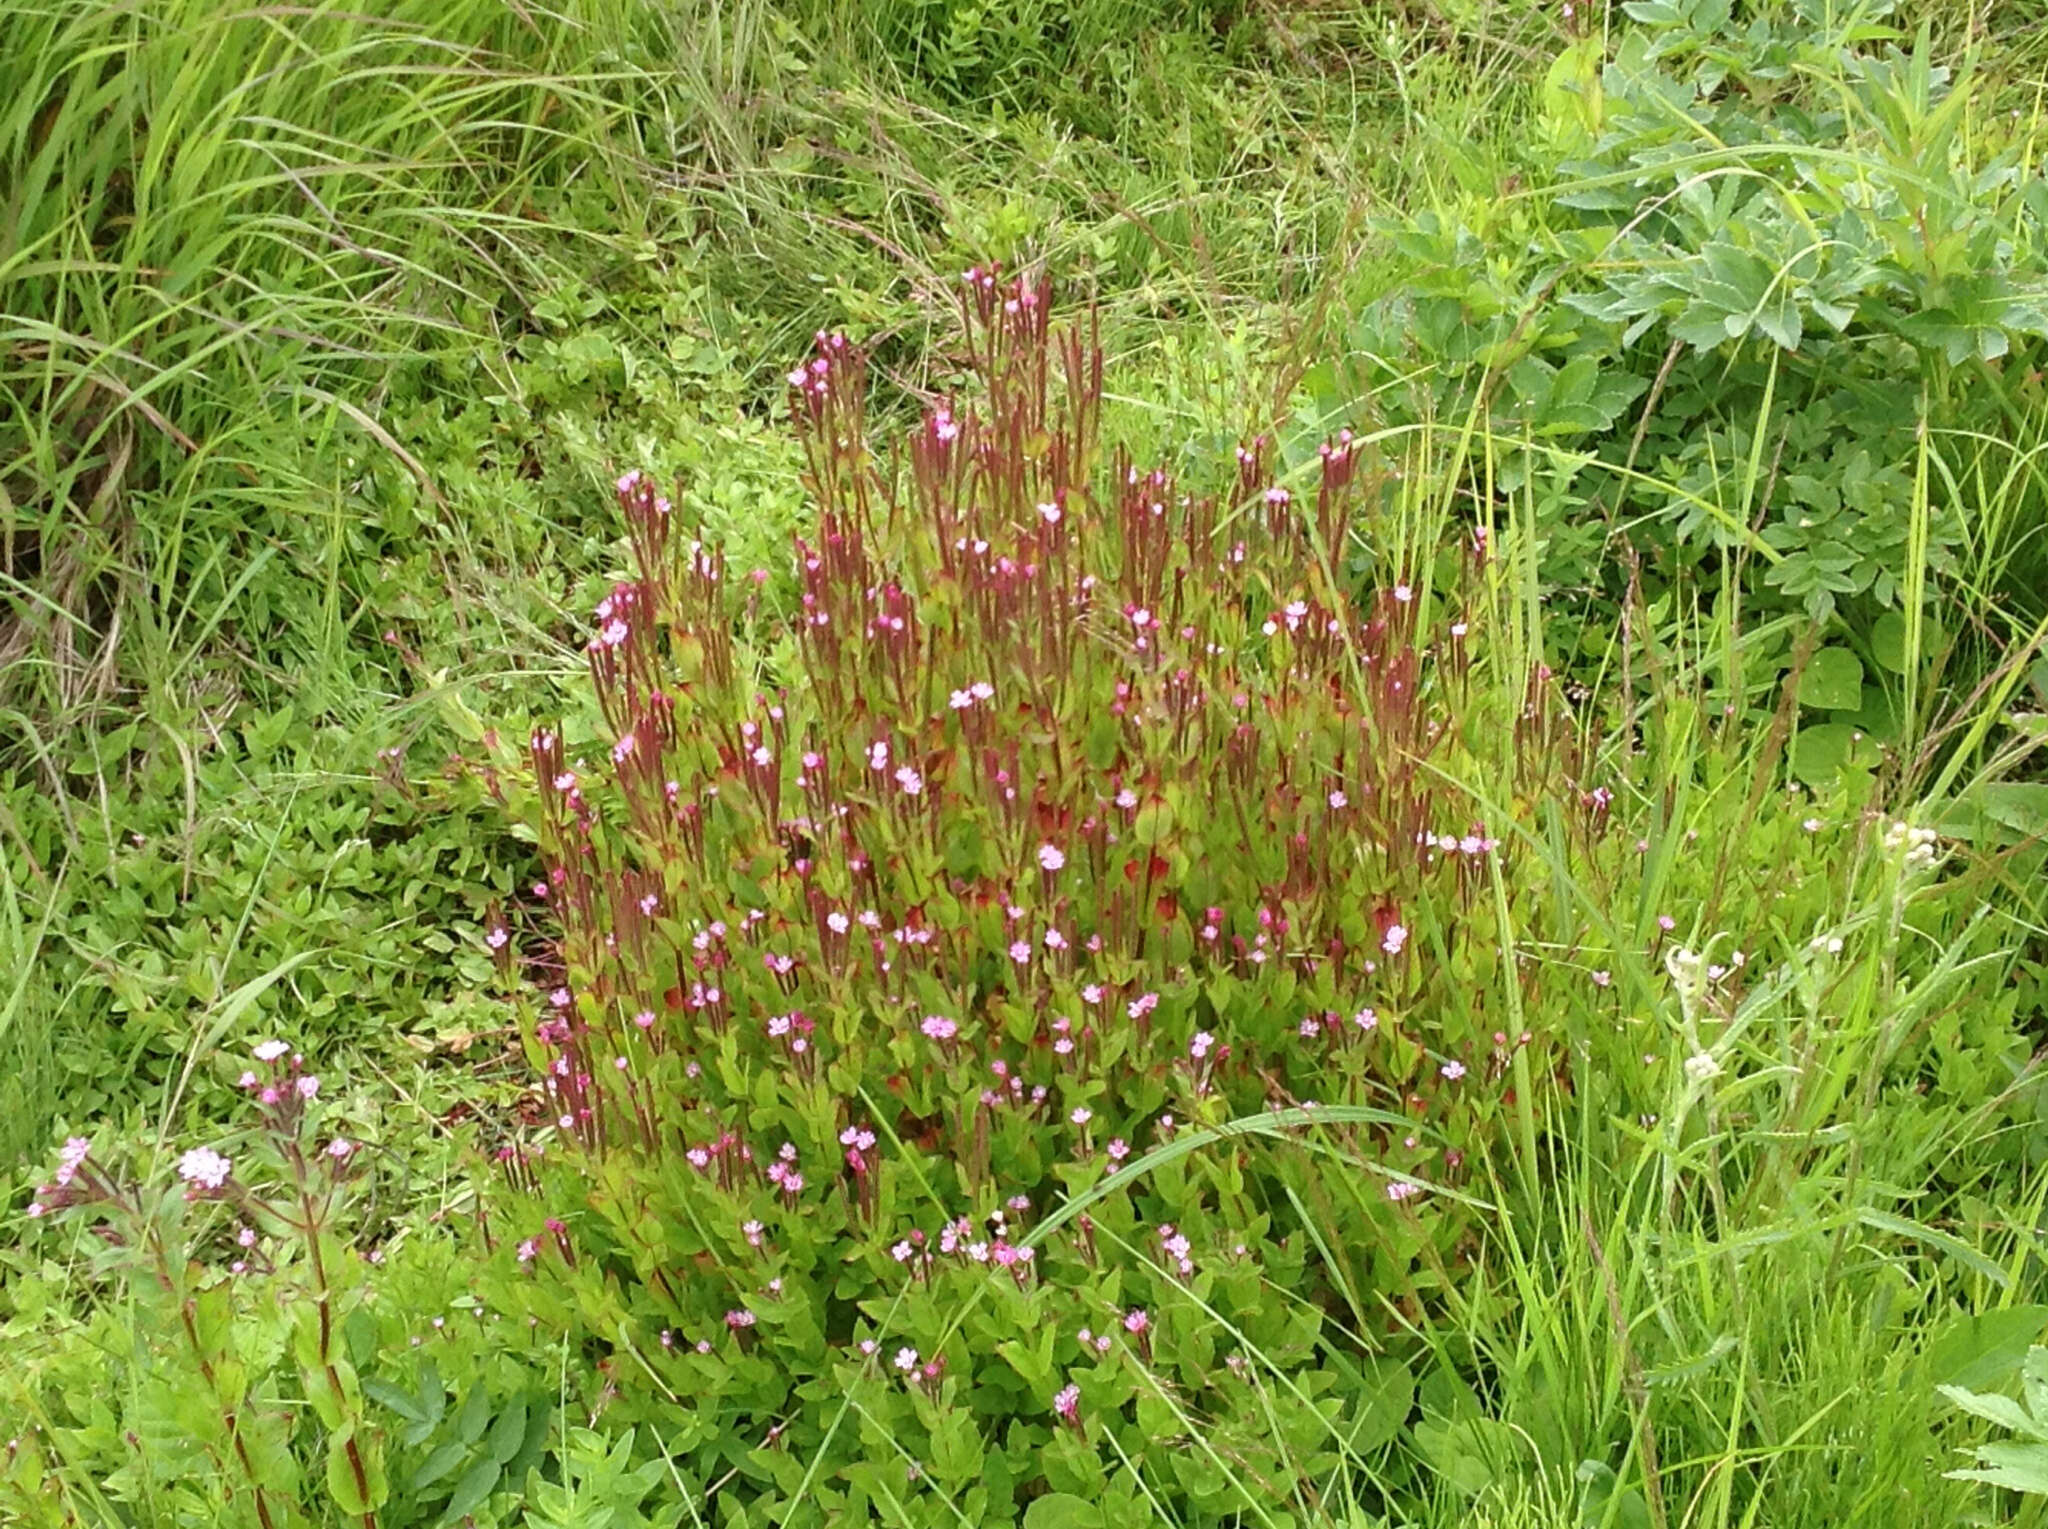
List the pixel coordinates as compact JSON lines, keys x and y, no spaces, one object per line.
{"x":2016,"y":1467}
{"x":1383,"y":1404}
{"x":1832,"y":681}
{"x":355,"y":1494}
{"x":472,"y":1489}
{"x":439,"y":1463}
{"x":1062,"y":1510}
{"x":397,"y":1398}
{"x":1819,"y":754}
{"x":1955,"y":1247}
{"x":509,"y":1432}
{"x":1978,"y":1349}
{"x":474,"y":1417}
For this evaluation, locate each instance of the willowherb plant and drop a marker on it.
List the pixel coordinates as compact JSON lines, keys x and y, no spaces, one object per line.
{"x":916,"y":960}
{"x":230,"y":1258}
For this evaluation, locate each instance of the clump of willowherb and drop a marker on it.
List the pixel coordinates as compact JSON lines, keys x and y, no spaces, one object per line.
{"x":906,"y":964}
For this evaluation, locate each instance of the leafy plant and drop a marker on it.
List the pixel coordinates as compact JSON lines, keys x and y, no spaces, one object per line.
{"x":1768,"y":307}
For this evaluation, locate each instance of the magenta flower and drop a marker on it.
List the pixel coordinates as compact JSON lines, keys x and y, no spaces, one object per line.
{"x":939,"y":1028}
{"x":1067,"y":1404}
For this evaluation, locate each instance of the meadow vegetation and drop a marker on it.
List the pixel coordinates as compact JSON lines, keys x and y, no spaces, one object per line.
{"x":1081,"y":765}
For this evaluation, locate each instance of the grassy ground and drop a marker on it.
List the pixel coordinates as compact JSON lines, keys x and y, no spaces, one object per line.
{"x":323,"y":334}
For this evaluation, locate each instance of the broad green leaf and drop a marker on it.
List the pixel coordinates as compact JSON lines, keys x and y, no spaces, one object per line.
{"x":1062,"y":1510}
{"x":1832,"y":681}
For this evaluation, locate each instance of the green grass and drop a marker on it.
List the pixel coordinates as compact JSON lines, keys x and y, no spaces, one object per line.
{"x":326,"y":323}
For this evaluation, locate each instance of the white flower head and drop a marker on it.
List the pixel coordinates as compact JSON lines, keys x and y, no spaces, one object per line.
{"x":205,"y":1168}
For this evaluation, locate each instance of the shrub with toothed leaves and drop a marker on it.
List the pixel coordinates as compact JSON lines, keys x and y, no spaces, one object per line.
{"x":1041,"y":1002}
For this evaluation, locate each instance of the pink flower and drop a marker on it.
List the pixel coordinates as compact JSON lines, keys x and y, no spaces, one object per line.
{"x":739,"y":1318}
{"x":69,"y":1158}
{"x":1339,"y":801}
{"x":906,"y":1359}
{"x":1050,"y":858}
{"x":1453,"y":1070}
{"x":910,"y":781}
{"x":1395,"y":937}
{"x":1198,"y":1048}
{"x":340,"y":1149}
{"x":308,"y":1086}
{"x":1067,"y":1404}
{"x":205,"y":1168}
{"x":528,"y":1249}
{"x":939,"y":1028}
{"x":1136,"y":1322}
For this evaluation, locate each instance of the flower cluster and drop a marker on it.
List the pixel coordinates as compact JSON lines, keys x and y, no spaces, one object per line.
{"x":1079,"y":807}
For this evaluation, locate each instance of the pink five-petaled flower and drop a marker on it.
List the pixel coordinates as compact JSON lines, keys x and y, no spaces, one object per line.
{"x":906,"y":1359}
{"x":1198,"y":1048}
{"x":70,"y":1157}
{"x":1136,"y":1323}
{"x":939,"y":1028}
{"x":910,"y":781}
{"x":308,"y":1086}
{"x":1453,"y":1070}
{"x":1050,"y":858}
{"x":1395,"y":937}
{"x":205,"y":1168}
{"x":739,"y":1318}
{"x":341,"y":1149}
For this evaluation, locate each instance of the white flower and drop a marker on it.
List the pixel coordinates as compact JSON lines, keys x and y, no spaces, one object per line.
{"x":204,"y":1167}
{"x":270,"y":1051}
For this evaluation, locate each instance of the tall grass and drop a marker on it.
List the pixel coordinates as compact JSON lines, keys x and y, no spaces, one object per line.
{"x":226,"y":230}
